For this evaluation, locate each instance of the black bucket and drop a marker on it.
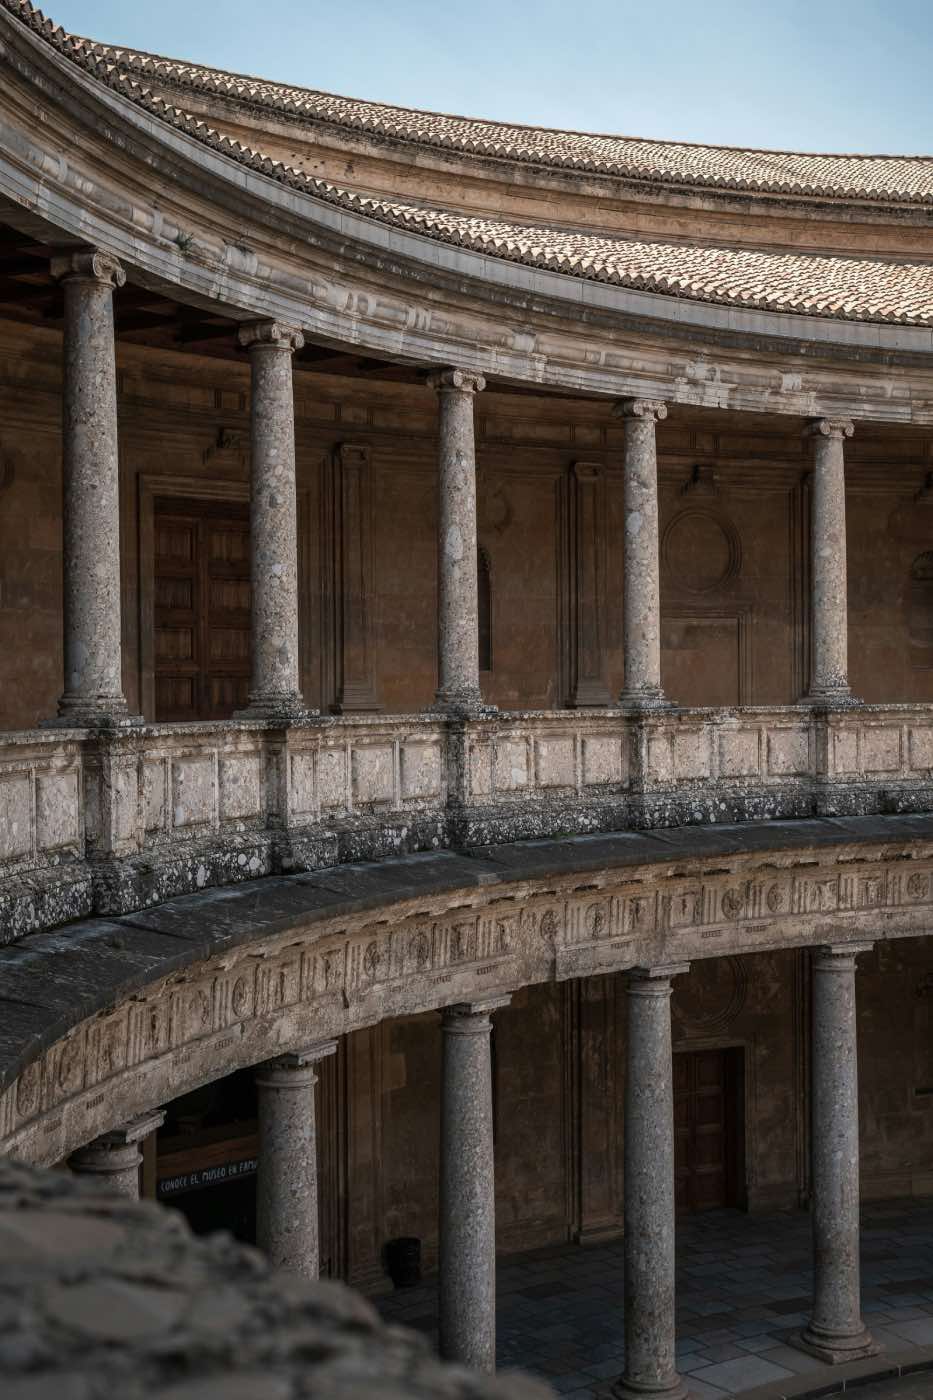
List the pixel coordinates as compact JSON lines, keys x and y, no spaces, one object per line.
{"x":403,"y":1261}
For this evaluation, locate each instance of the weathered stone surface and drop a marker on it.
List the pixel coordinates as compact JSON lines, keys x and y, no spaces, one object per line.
{"x":642,"y":591}
{"x":457,"y":638}
{"x":275,"y":686}
{"x":828,"y":594}
{"x":336,"y":950}
{"x":93,"y":692}
{"x":103,"y":1296}
{"x":835,"y":1331}
{"x":467,"y":1229}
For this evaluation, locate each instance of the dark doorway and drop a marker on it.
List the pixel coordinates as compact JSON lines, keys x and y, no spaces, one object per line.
{"x":709,"y":1135}
{"x":201,"y":596}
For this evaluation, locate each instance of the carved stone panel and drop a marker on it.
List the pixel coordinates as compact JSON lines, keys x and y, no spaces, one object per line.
{"x":584,"y":548}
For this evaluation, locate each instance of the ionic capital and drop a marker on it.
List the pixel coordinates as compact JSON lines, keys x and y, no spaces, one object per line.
{"x":653,"y":410}
{"x":467,"y":381}
{"x":88,"y":265}
{"x":837,"y":428}
{"x":272,"y":335}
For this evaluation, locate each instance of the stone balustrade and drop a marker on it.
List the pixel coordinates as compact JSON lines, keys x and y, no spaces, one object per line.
{"x":109,"y":822}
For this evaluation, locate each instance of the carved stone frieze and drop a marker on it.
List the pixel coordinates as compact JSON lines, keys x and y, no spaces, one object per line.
{"x":320,"y":981}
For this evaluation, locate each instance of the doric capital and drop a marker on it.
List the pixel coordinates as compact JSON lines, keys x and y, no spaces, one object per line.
{"x":837,"y":428}
{"x":300,"y":1059}
{"x":840,"y":957}
{"x":88,"y":265}
{"x":468,"y":381}
{"x":273,"y":335}
{"x":653,"y":409}
{"x":655,"y":980}
{"x":472,"y":1017}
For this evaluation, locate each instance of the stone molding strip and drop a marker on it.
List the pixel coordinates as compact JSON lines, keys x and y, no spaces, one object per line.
{"x":107,"y":1019}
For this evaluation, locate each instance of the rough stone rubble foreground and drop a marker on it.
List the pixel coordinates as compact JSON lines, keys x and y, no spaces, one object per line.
{"x":103,"y":1297}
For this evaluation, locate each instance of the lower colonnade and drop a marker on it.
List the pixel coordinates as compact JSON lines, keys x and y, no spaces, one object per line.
{"x":297,"y":961}
{"x":287,"y":1181}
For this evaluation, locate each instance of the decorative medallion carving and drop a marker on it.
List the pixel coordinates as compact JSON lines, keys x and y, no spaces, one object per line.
{"x":712,"y":998}
{"x":701,"y":549}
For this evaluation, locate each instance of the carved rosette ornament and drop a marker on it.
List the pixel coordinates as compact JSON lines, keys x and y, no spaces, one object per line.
{"x":270,"y":335}
{"x":89,"y":265}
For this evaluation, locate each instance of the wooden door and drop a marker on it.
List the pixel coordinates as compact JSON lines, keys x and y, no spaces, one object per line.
{"x":707,"y":1129}
{"x":201,"y":593}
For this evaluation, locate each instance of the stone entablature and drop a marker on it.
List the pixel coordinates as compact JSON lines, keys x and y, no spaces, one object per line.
{"x":114,"y":822}
{"x":128,"y":1013}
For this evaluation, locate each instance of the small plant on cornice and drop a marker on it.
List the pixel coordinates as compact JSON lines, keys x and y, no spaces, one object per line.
{"x":184,"y":242}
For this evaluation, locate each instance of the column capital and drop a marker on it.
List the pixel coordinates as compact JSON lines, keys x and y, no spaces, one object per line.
{"x":466,"y":381}
{"x":650,"y":410}
{"x":88,"y":265}
{"x":656,"y":976}
{"x":270,"y":335}
{"x":134,"y":1131}
{"x":840,"y":956}
{"x":836,"y":428}
{"x":472,"y":1017}
{"x":295,"y":1064}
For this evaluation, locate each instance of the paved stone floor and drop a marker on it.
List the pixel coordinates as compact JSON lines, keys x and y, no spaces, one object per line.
{"x":743,"y":1287}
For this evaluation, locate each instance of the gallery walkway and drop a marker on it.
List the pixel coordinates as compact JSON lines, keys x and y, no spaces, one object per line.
{"x":743,"y":1288}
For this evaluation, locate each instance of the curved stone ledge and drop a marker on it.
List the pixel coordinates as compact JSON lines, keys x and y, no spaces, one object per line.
{"x":105,"y":1019}
{"x":105,"y":1296}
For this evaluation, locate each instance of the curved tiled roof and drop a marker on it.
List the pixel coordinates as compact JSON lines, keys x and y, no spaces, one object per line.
{"x":861,"y":289}
{"x":889,"y":178}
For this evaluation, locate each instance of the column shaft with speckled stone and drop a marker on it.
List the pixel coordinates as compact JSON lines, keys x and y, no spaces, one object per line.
{"x":467,"y":1194}
{"x":286,"y":1185}
{"x":641,"y":601}
{"x":115,"y":1157}
{"x":93,"y":692}
{"x":649,"y":1190}
{"x":835,"y":1331}
{"x":829,"y":682}
{"x":275,"y":692}
{"x":458,"y":689}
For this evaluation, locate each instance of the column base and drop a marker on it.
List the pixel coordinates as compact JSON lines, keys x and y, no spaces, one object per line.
{"x":833,"y":1350}
{"x":461,"y":705}
{"x":838,"y":698}
{"x":624,"y":1389}
{"x":277,"y":709}
{"x":92,"y":714}
{"x":645,"y":701}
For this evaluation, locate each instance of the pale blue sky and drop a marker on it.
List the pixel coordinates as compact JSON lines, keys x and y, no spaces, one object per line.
{"x":830,"y":75}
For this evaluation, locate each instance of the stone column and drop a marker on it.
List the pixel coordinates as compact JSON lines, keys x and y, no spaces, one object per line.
{"x":93,"y":693}
{"x":275,"y":692}
{"x":649,"y":1189}
{"x":458,"y":689}
{"x":286,"y":1185}
{"x":829,"y":680}
{"x":467,"y":1195}
{"x":641,"y":603}
{"x":835,"y":1331}
{"x":115,"y":1157}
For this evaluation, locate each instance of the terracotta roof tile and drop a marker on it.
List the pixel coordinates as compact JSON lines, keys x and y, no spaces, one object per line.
{"x":862,"y":289}
{"x":889,"y":178}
